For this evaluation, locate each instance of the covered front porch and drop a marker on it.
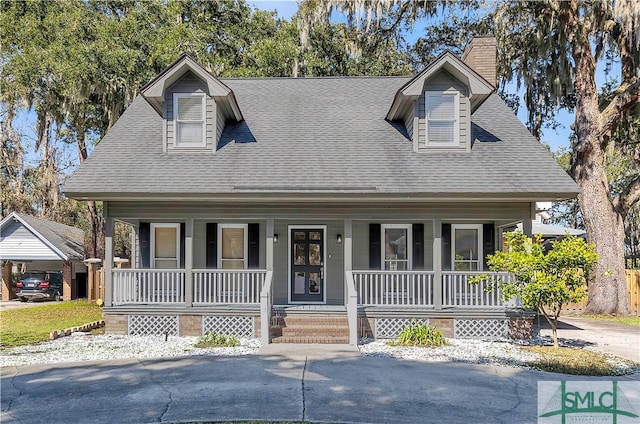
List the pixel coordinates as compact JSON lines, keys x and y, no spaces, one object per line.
{"x":370,"y":271}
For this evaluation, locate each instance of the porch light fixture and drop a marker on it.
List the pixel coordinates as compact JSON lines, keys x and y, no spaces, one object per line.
{"x":339,"y":239}
{"x":275,"y":238}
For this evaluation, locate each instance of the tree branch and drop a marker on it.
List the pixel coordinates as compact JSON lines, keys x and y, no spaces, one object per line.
{"x":629,"y":196}
{"x":626,"y":96}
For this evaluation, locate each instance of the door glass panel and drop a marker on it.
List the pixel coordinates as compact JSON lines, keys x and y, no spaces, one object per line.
{"x":165,"y":242}
{"x":300,"y":254}
{"x":314,"y":283}
{"x":299,"y":235}
{"x":314,"y":254}
{"x":315,"y":235}
{"x":299,"y":283}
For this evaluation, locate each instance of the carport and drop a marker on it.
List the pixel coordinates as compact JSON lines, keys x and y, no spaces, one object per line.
{"x":40,"y":245}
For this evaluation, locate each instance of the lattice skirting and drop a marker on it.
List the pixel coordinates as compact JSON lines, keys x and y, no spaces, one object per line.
{"x":481,"y":328}
{"x":144,"y":325}
{"x":389,"y":328}
{"x":237,"y":326}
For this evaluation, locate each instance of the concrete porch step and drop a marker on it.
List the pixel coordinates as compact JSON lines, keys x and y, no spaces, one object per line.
{"x":311,"y":339}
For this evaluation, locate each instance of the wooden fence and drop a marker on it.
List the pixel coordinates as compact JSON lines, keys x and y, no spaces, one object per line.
{"x":633,"y":289}
{"x":95,"y":284}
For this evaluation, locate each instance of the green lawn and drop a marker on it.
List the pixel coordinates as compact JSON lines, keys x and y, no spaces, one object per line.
{"x":32,"y":325}
{"x":628,"y":320}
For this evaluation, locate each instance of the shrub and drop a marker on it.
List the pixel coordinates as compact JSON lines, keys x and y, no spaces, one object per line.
{"x":418,"y":334}
{"x":211,"y":339}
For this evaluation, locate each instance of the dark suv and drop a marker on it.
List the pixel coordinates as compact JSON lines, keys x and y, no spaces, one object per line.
{"x":39,"y":285}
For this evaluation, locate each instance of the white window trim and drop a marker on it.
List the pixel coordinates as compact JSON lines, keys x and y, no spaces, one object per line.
{"x":176,"y":127}
{"x":153,"y":243}
{"x":246,"y":243}
{"x":409,"y":228}
{"x":456,"y":120}
{"x":477,"y":227}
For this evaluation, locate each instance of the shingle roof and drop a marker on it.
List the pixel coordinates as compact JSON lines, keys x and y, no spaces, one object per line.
{"x":325,"y":135}
{"x":68,"y":240}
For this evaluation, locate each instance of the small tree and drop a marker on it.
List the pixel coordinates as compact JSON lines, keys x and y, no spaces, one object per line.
{"x":544,"y":282}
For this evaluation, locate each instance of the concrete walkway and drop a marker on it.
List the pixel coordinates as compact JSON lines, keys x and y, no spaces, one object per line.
{"x":288,"y":382}
{"x":605,"y":336}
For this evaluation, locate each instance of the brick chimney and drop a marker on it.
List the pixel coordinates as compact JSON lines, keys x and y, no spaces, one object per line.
{"x":481,"y":55}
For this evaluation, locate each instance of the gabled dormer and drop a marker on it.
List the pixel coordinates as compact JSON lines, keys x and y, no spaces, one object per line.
{"x":436,"y":105}
{"x":194,"y":105}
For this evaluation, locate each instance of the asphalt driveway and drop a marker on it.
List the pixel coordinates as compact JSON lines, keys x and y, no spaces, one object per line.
{"x":314,"y":383}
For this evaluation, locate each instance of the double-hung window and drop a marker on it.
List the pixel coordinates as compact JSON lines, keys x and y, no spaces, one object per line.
{"x":165,"y":246}
{"x":396,"y":247}
{"x":232,"y":246}
{"x":442,"y":118}
{"x":466,"y":247}
{"x":189,"y":119}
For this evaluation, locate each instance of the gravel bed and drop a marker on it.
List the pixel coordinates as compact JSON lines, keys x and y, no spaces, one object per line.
{"x":498,"y":352}
{"x":83,"y":347}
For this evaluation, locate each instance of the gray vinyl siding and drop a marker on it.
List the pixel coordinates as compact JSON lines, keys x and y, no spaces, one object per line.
{"x":214,"y":119}
{"x":176,"y":211}
{"x":439,"y":83}
{"x":18,"y":242}
{"x":331,"y":215}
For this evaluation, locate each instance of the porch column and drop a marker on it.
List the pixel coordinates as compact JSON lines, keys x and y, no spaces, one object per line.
{"x":67,"y":281}
{"x":108,"y":260}
{"x":8,"y":292}
{"x":269,"y":246}
{"x":527,"y":224}
{"x":350,"y":295}
{"x":348,"y":244}
{"x":437,"y":263}
{"x":188,"y":263}
{"x":133,"y":254}
{"x":265,"y":299}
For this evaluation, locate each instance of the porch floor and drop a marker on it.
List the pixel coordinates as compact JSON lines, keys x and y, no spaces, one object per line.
{"x":326,"y":310}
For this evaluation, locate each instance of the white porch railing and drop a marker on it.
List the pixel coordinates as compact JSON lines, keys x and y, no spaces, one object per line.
{"x":148,"y":286}
{"x":458,"y":293}
{"x":401,"y":288}
{"x":222,"y":286}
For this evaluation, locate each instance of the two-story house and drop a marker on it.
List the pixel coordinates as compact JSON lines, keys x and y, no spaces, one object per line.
{"x":317,"y":209}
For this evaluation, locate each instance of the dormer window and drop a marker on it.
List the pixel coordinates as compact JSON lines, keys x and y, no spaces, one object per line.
{"x":442,"y":118}
{"x":189,"y":116}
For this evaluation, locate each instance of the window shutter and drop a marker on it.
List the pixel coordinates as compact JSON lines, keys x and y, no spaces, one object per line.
{"x":253,"y":237}
{"x":144,"y":237}
{"x":418,"y":247}
{"x":488,"y":242}
{"x":375,"y":255}
{"x":182,"y":243}
{"x":446,"y":247}
{"x":211,"y":248}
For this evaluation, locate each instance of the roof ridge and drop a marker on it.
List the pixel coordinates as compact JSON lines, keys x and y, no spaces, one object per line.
{"x":333,"y":77}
